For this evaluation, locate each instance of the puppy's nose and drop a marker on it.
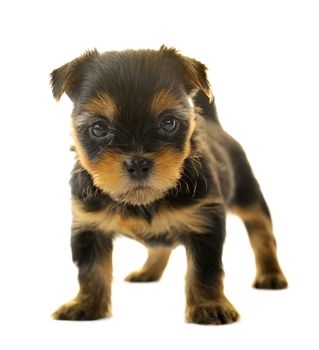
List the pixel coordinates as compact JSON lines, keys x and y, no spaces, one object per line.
{"x":138,"y":168}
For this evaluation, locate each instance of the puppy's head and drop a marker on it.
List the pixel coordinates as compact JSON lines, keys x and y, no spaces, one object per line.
{"x":133,"y":118}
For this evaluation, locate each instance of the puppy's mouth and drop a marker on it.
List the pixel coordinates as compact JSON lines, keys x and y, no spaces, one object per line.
{"x":139,"y":194}
{"x":137,"y":180}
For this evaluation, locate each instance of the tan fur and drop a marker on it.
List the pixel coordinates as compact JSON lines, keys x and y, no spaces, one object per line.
{"x":162,"y":101}
{"x":94,"y":298}
{"x":102,"y":104}
{"x":154,"y":266}
{"x":263,"y":243}
{"x":213,"y":311}
{"x":167,"y":219}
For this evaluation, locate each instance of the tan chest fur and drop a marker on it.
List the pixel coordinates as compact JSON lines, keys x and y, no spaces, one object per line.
{"x":166,"y":221}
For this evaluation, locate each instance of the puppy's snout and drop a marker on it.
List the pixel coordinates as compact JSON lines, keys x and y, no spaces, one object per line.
{"x":138,"y":168}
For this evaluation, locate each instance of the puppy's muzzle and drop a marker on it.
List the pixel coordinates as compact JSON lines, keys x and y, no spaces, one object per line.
{"x":138,"y":168}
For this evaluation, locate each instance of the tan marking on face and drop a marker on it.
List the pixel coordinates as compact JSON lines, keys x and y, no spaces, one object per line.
{"x":102,"y":104}
{"x":109,"y":175}
{"x":164,"y":100}
{"x":169,"y":163}
{"x":107,"y":172}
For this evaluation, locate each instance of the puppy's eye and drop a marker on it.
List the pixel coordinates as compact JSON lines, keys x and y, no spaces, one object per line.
{"x":168,"y":124}
{"x":99,"y":130}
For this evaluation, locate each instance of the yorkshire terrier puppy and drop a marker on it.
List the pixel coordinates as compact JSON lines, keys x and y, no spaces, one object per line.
{"x":154,"y":164}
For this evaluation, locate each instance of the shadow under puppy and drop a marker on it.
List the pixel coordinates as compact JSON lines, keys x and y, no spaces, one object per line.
{"x":154,"y":164}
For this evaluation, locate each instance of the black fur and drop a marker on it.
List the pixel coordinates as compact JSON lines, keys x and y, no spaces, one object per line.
{"x":88,"y":248}
{"x":205,"y":249}
{"x":208,"y":108}
{"x":144,"y":137}
{"x":160,"y":241}
{"x":196,"y":183}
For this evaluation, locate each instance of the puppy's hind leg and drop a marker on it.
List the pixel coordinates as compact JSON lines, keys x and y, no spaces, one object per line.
{"x":253,"y":210}
{"x":153,"y":268}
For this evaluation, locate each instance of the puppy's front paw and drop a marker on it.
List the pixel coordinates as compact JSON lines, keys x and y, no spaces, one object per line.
{"x":77,"y":310}
{"x":212,"y":313}
{"x":271,"y":281}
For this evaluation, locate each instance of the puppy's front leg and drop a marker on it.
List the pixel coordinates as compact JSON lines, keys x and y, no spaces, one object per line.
{"x":206,"y":302}
{"x":92,"y":252}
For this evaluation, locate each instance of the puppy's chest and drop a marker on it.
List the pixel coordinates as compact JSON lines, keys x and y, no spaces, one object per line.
{"x":163,"y":227}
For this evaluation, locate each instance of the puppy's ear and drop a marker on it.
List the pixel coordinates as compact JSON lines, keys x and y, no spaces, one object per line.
{"x":195,"y":76}
{"x":68,"y":77}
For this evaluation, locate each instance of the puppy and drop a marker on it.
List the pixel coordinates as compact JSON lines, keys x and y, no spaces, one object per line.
{"x":154,"y":164}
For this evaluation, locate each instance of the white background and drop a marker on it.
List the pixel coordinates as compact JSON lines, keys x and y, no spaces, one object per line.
{"x":263,"y":60}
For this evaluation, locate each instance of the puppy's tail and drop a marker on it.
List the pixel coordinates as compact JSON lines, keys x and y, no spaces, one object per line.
{"x":208,"y":108}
